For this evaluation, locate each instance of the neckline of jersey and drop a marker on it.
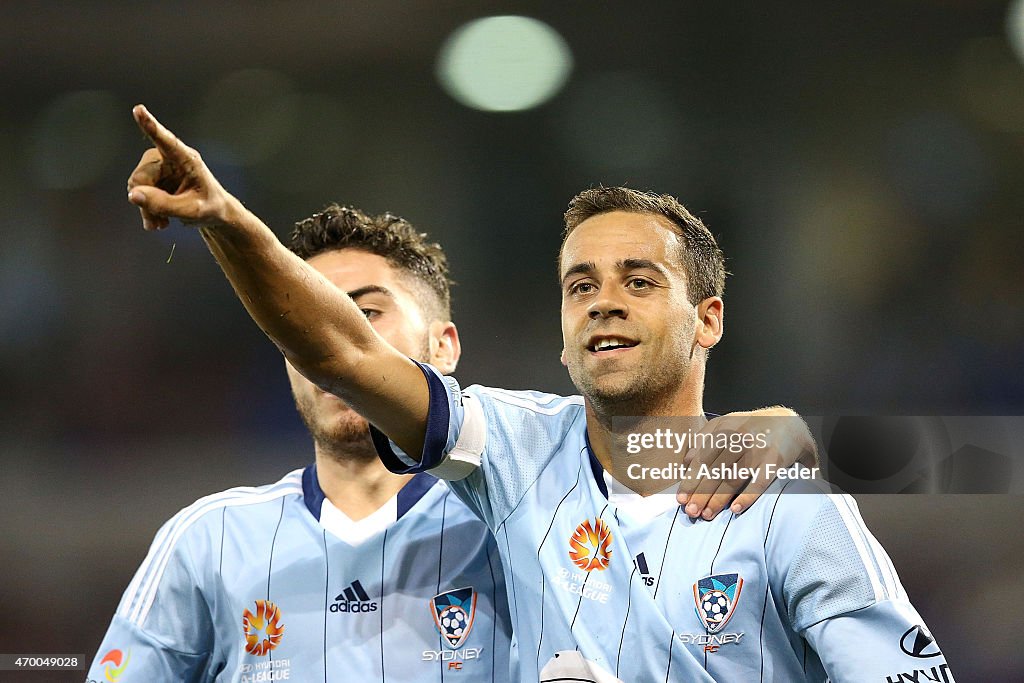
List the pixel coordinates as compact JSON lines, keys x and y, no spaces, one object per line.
{"x":410,"y":494}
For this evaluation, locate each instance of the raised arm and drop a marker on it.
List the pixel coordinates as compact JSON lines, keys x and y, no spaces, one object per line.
{"x":320,"y":330}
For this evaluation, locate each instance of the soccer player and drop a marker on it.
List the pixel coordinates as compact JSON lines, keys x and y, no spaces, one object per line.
{"x":603,"y":586}
{"x":342,"y":569}
{"x":618,"y":586}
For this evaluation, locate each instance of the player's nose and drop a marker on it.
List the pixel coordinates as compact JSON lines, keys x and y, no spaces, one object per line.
{"x":607,"y":306}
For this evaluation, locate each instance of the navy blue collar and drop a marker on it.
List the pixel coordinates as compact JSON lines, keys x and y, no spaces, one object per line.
{"x":408,"y":496}
{"x":595,"y":466}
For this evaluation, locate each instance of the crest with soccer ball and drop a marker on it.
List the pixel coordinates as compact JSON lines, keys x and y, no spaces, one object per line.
{"x":453,"y":614}
{"x":716,"y":597}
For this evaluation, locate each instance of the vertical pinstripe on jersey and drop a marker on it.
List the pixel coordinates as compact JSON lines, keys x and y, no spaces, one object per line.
{"x":223,"y":522}
{"x":657,"y":584}
{"x":664,"y":554}
{"x":141,"y":592}
{"x":440,"y":561}
{"x":327,"y":596}
{"x":543,"y":540}
{"x":711,"y":570}
{"x":383,"y":546}
{"x":512,"y":602}
{"x":767,"y":586}
{"x":622,"y":634}
{"x":270,"y":561}
{"x":671,"y":644}
{"x":273,"y":544}
{"x":496,"y":607}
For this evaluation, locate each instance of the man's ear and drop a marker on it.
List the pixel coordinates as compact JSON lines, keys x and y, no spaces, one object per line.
{"x":561,"y":357}
{"x":445,"y":347}
{"x":710,"y":322}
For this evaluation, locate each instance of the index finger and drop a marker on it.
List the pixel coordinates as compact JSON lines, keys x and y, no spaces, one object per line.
{"x":164,"y":140}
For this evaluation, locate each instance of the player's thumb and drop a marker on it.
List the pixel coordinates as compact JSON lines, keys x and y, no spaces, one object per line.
{"x":155,"y":201}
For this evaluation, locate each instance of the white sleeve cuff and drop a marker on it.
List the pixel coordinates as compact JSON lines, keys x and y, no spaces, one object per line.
{"x":465,"y":457}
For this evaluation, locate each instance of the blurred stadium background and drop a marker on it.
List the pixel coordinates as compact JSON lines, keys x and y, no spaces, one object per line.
{"x":862,"y":164}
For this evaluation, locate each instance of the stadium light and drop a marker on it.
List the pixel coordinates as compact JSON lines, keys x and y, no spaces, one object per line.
{"x":505,"y":63}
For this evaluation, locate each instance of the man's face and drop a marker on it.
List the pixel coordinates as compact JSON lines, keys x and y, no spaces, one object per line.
{"x":627,"y":327}
{"x":390,"y":304}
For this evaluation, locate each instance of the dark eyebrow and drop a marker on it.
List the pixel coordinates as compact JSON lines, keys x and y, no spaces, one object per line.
{"x":585,"y":268}
{"x":641,"y":264}
{"x":370,"y":289}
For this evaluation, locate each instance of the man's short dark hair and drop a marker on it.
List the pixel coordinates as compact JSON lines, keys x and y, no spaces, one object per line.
{"x":386,"y":235}
{"x":702,"y":260}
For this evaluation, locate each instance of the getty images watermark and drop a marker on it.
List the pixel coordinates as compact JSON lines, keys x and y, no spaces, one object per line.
{"x":854,"y":454}
{"x":666,"y":441}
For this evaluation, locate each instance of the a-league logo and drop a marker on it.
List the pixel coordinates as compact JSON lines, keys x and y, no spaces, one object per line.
{"x":115,"y":663}
{"x":590,"y":546}
{"x":453,"y":614}
{"x":263,"y":630}
{"x":716,"y":597}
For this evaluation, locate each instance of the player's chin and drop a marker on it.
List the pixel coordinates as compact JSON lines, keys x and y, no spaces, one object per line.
{"x":347,"y":419}
{"x":343,"y":432}
{"x":337,"y":417}
{"x":613,"y":387}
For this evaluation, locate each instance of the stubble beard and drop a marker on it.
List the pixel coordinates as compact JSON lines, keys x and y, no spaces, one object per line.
{"x":641,"y":394}
{"x":345,"y":436}
{"x":645,"y":391}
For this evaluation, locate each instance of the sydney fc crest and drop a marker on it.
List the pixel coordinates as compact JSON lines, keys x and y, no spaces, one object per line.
{"x":453,"y":614}
{"x":716,"y":597}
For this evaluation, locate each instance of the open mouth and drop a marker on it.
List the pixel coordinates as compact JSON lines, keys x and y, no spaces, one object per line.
{"x":601,"y":344}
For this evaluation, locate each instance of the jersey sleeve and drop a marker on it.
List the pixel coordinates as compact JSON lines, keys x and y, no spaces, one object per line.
{"x":842,"y":594}
{"x":490,"y":444}
{"x":162,"y":629}
{"x":455,"y":435}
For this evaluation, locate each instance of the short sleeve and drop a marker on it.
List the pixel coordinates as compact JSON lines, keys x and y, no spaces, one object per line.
{"x":443,"y":454}
{"x":490,"y":444}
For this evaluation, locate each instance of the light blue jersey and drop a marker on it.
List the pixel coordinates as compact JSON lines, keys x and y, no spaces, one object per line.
{"x":622,"y":588}
{"x":257,"y":584}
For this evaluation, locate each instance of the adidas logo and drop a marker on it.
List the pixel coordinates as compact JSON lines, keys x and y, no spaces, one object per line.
{"x":353,"y":599}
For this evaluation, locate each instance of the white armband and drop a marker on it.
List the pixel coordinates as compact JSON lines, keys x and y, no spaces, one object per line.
{"x":464,"y":458}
